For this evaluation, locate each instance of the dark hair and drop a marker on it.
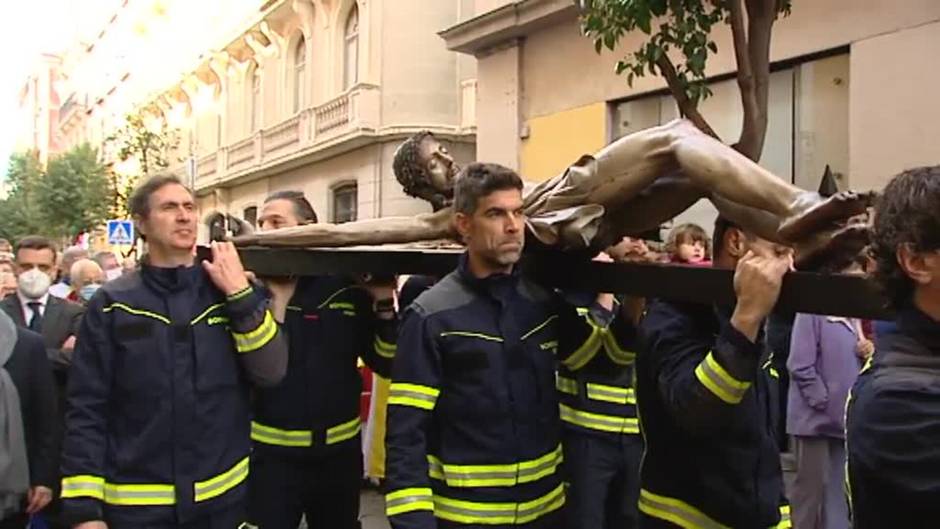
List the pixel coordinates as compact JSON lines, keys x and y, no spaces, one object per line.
{"x":139,"y":203}
{"x":908,"y":212}
{"x":685,"y":234}
{"x":722,"y":225}
{"x":34,"y":242}
{"x":302,"y":208}
{"x":412,"y":173}
{"x":478,"y":180}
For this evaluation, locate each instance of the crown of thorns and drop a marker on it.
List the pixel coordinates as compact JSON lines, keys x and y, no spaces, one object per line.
{"x":413,"y":175}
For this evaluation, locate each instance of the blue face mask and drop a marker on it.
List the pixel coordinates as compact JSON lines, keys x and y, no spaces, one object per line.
{"x":88,"y":291}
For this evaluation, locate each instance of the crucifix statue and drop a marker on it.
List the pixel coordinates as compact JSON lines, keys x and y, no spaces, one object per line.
{"x":627,"y":188}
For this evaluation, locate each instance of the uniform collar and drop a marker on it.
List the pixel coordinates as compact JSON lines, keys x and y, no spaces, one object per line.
{"x":495,"y":285}
{"x":169,"y":279}
{"x":915,"y":323}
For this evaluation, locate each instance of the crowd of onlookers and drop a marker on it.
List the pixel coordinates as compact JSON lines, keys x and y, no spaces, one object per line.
{"x":42,"y":296}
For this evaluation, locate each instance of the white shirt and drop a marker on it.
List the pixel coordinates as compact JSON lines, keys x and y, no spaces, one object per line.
{"x":27,"y":311}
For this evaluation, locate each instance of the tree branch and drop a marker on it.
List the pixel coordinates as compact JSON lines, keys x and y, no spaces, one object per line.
{"x":753,"y":127}
{"x":687,"y":107}
{"x":761,"y":17}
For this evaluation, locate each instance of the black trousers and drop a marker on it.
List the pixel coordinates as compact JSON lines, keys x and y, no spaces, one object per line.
{"x":604,"y":476}
{"x":17,"y":521}
{"x":233,"y":518}
{"x":553,"y":520}
{"x":324,"y":488}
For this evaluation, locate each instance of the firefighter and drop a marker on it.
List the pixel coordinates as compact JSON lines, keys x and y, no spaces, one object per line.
{"x":893,"y":418}
{"x":157,"y":431}
{"x":473,"y":426}
{"x":602,"y":442}
{"x":707,"y":400}
{"x":307,"y":457}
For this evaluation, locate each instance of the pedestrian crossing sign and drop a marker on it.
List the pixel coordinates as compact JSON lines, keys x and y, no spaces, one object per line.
{"x":120,"y":232}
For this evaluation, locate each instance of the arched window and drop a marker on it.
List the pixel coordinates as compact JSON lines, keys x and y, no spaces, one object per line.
{"x":300,"y":65}
{"x":255,"y":99}
{"x":351,"y":55}
{"x":250,"y":215}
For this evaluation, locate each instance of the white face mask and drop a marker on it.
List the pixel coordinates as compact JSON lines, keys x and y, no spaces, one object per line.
{"x":33,"y":283}
{"x":113,"y":274}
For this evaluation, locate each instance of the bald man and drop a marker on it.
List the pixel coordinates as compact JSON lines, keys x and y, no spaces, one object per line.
{"x":63,"y":288}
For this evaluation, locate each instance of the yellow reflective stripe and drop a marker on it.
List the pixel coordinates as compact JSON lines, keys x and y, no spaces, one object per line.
{"x":582,"y":355}
{"x":331,"y":296}
{"x":413,"y":395}
{"x":240,"y":294}
{"x":83,"y":486}
{"x":468,"y":334}
{"x":224,"y":482}
{"x":294,"y":308}
{"x":785,"y":522}
{"x":342,"y":432}
{"x":468,"y":512}
{"x":276,"y":436}
{"x":676,"y":511}
{"x":566,"y":385}
{"x":505,"y":475}
{"x":617,"y":354}
{"x":139,"y":494}
{"x":205,"y":313}
{"x":384,"y":349}
{"x":136,"y":312}
{"x":539,"y":327}
{"x":614,"y":394}
{"x":596,"y":421}
{"x":258,"y":338}
{"x":408,"y":500}
{"x":342,"y":305}
{"x":714,"y":377}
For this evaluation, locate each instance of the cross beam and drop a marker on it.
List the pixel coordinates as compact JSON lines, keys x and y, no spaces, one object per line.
{"x":837,"y":295}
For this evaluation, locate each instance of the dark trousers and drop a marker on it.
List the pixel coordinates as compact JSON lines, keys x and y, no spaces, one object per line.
{"x":553,"y":520}
{"x":604,"y":473}
{"x":17,"y":521}
{"x":325,"y":489}
{"x":233,"y":518}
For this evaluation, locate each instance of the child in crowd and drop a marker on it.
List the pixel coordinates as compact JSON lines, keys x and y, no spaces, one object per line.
{"x":689,"y":244}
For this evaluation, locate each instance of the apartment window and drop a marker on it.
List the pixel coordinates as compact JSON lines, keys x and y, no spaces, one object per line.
{"x":351,"y":56}
{"x":345,"y":202}
{"x":250,"y":214}
{"x":300,"y":64}
{"x":255,"y":99}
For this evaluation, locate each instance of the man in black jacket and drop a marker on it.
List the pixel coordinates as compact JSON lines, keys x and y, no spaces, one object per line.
{"x":23,"y":362}
{"x":707,"y":400}
{"x":307,"y":450}
{"x":893,"y":418}
{"x":158,"y":425}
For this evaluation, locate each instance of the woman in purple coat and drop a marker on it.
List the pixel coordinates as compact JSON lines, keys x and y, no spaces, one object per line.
{"x":826,"y":354}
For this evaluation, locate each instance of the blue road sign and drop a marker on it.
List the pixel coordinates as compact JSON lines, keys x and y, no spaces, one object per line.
{"x":120,"y":232}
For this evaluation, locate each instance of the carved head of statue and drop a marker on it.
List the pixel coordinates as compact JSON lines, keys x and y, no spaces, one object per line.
{"x":426,"y":170}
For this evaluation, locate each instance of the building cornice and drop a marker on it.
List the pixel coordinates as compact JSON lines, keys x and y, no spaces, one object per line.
{"x":509,"y":23}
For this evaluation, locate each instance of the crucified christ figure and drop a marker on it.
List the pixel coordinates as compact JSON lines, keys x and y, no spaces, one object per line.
{"x":629,"y":187}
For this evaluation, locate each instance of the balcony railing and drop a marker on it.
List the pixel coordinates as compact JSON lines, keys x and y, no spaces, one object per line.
{"x":300,"y":134}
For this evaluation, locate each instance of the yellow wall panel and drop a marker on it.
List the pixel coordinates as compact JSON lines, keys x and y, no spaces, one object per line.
{"x":557,"y":140}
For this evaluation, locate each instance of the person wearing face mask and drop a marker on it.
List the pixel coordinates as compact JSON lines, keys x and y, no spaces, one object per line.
{"x":34,"y":308}
{"x":108,"y":262}
{"x":87,"y":278}
{"x":69,"y":256}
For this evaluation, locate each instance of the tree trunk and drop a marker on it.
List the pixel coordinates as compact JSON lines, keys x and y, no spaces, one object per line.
{"x":752,"y":53}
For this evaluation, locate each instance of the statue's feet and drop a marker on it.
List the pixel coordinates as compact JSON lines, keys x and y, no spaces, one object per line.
{"x":813,"y":213}
{"x":831,"y":246}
